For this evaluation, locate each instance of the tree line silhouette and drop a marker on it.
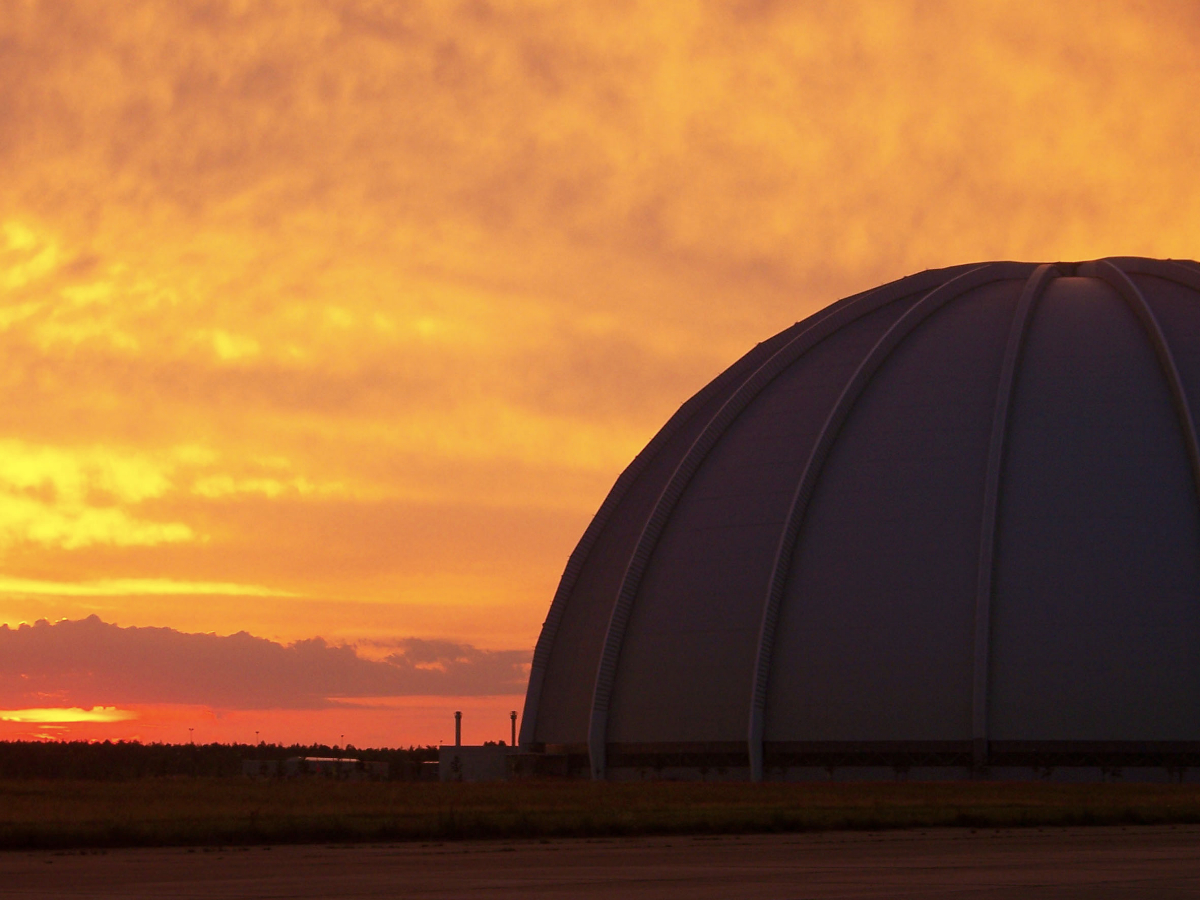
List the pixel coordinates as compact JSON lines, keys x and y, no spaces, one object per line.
{"x":124,"y":760}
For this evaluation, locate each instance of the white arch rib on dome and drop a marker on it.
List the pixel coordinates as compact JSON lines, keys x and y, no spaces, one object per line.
{"x":904,"y":326}
{"x":1032,"y":292}
{"x":579,"y":556}
{"x":818,"y":328}
{"x":1106,"y":271}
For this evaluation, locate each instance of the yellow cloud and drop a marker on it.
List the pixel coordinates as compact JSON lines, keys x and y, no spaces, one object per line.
{"x":17,"y":312}
{"x":129,"y":587}
{"x":227,"y":485}
{"x":233,"y":346}
{"x":72,"y":497}
{"x":70,"y":714}
{"x":25,"y":257}
{"x":28,"y":519}
{"x":55,"y":331}
{"x":87,"y":294}
{"x":74,"y":471}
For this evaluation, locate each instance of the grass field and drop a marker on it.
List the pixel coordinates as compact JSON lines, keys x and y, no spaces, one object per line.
{"x":153,"y":812}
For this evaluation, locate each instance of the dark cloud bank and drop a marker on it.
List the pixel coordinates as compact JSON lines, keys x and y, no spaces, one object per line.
{"x":90,"y":662}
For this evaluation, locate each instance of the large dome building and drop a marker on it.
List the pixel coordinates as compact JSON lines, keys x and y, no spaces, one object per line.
{"x":946,"y":526}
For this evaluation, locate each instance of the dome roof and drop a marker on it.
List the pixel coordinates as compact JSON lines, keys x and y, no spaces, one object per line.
{"x":954,"y":518}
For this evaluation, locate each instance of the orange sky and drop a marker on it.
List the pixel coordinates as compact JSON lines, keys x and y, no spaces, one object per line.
{"x":338,"y":319}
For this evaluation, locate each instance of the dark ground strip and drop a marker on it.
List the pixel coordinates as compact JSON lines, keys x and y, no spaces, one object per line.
{"x":65,"y":815}
{"x":1162,"y":862}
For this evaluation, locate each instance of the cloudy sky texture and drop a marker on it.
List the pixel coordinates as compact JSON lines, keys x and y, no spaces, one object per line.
{"x":338,"y":319}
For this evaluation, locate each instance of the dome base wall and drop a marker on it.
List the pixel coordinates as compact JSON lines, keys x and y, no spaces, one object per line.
{"x":1065,"y":761}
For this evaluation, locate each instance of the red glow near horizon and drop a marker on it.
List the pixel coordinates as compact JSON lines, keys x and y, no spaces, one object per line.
{"x":404,"y":722}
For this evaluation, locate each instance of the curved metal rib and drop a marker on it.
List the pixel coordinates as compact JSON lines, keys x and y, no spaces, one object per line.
{"x":783,"y":556}
{"x":1034,"y":287}
{"x":575,"y":563}
{"x":1120,"y":282}
{"x":1181,"y":271}
{"x":818,"y":328}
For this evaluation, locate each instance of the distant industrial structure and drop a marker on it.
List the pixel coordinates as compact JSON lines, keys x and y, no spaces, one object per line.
{"x":490,"y":761}
{"x":947,"y":527}
{"x":339,"y":768}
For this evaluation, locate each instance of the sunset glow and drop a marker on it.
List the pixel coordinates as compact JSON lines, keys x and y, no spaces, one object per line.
{"x":338,"y":319}
{"x":62,"y":716}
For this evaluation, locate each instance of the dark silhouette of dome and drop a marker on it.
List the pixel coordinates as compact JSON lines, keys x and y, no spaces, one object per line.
{"x":952,"y":521}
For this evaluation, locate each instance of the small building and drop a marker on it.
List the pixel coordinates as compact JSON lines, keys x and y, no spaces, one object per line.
{"x":486,"y":762}
{"x":260,"y":768}
{"x":340,"y":768}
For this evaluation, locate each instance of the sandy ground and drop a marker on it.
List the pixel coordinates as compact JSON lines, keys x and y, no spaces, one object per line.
{"x":1095,"y":863}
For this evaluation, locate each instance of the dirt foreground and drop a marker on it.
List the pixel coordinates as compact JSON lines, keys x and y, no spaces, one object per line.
{"x":1137,"y":861}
